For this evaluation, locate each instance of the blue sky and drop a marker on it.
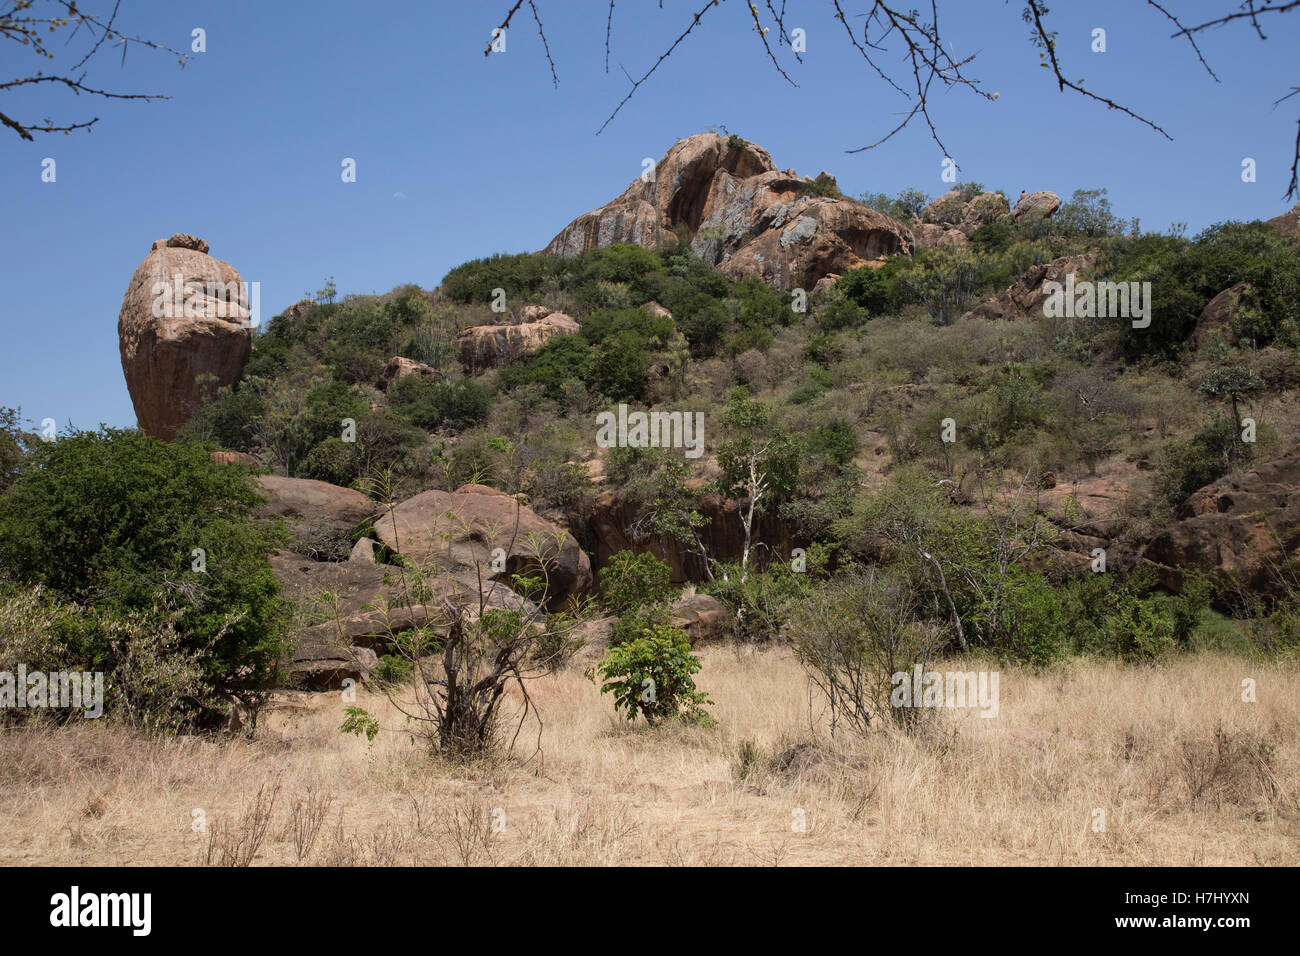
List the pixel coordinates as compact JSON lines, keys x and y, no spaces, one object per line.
{"x":488,"y":157}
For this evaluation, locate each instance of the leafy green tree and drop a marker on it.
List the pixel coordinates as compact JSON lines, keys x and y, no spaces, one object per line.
{"x":1233,"y":383}
{"x":759,"y":462}
{"x":113,"y":518}
{"x":632,"y":581}
{"x":15,"y":443}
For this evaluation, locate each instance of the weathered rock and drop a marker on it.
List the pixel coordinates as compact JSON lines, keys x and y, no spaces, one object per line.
{"x":824,"y":283}
{"x":320,"y":662}
{"x":965,"y":216}
{"x":460,"y":530}
{"x":315,"y":502}
{"x":185,"y":315}
{"x":1242,"y":526}
{"x":399,"y":367}
{"x":702,"y":617}
{"x":298,"y":310}
{"x":930,"y":235}
{"x":363,"y":551}
{"x":747,"y":218}
{"x":483,"y":347}
{"x":1036,"y":204}
{"x":798,"y":243}
{"x":1220,"y":312}
{"x":657,"y":310}
{"x":235,"y":458}
{"x":1287,"y":224}
{"x":1028,"y":294}
{"x":370,"y":605}
{"x":612,"y":518}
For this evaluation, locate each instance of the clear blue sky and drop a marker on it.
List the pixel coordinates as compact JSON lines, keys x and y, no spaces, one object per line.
{"x":488,"y":157}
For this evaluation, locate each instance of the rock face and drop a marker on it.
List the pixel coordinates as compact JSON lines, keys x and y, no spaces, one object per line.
{"x":1244,"y":525}
{"x":1028,"y":293}
{"x":965,"y":216}
{"x":1036,"y":204}
{"x":723,"y":536}
{"x":315,"y":502}
{"x":746,"y":217}
{"x":399,"y":367}
{"x":484,"y":347}
{"x":702,"y":617}
{"x":184,"y":315}
{"x":455,"y":530}
{"x":1287,"y":224}
{"x":1218,"y":315}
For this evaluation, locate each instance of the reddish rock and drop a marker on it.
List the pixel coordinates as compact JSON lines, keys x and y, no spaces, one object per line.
{"x":1287,"y":224}
{"x":1036,"y":204}
{"x":315,"y":502}
{"x":484,"y":347}
{"x":746,"y":217}
{"x":173,"y":331}
{"x":399,"y":367}
{"x":1242,"y":526}
{"x":1028,"y":294}
{"x":458,"y":532}
{"x":1220,"y":312}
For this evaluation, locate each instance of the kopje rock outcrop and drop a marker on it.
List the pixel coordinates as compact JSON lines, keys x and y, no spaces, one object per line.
{"x":185,"y":316}
{"x":746,"y":217}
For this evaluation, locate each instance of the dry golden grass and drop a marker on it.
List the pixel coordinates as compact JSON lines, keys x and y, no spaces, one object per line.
{"x":1185,"y":771}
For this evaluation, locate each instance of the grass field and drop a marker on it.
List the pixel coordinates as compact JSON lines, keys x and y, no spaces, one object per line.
{"x":1184,"y":771}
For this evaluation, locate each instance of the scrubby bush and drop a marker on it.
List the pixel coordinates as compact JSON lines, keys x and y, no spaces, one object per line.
{"x":632,"y":581}
{"x":113,"y":519}
{"x":652,"y":675}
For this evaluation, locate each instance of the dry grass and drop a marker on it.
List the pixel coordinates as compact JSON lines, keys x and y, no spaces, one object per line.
{"x":1185,"y":772}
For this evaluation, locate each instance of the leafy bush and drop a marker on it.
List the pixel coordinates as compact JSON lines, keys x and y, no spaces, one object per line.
{"x":653,"y":676}
{"x":852,"y":635}
{"x":564,"y":359}
{"x":429,"y":405}
{"x":1186,"y":466}
{"x":112,"y":518}
{"x":631,"y":581}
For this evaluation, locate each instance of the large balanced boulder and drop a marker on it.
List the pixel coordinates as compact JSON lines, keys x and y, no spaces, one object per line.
{"x":1242,"y":527}
{"x":185,"y":316}
{"x":744,"y":216}
{"x":461,"y":532}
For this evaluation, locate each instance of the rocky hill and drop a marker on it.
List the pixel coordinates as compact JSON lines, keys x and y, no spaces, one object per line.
{"x":681,"y":295}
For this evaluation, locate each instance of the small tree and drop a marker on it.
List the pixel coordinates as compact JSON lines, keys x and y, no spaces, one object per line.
{"x":631,"y":581}
{"x":652,"y":676}
{"x":852,"y":634}
{"x":1234,"y":383}
{"x":468,"y":637}
{"x":760,"y":463}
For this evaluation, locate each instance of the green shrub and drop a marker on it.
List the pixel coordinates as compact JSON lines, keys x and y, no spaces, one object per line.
{"x":112,"y":518}
{"x":1186,"y":466}
{"x":429,"y":405}
{"x":230,"y":420}
{"x":653,"y":676}
{"x":631,"y":581}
